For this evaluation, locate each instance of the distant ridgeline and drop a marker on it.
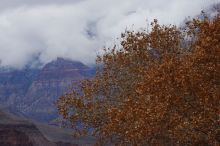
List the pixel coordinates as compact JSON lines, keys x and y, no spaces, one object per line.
{"x":33,"y":92}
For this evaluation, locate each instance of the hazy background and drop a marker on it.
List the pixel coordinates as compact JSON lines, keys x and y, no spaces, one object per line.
{"x":43,"y":30}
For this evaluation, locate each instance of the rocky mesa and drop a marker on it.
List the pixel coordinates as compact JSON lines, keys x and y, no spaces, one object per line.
{"x":33,"y":92}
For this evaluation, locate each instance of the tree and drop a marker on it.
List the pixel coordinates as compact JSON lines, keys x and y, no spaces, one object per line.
{"x":159,"y":88}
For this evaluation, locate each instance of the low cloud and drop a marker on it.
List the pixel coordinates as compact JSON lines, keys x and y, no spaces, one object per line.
{"x":76,"y":30}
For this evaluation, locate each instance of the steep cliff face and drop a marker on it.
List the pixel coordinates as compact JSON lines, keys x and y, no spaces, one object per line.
{"x":34,"y":92}
{"x":12,"y":137}
{"x":22,"y":135}
{"x":14,"y":85}
{"x":16,"y":131}
{"x":51,"y":82}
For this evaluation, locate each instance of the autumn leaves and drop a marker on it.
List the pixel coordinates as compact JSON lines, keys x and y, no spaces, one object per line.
{"x":159,"y":88}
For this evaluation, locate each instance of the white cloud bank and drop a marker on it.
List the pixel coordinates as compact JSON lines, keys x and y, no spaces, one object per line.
{"x":77,"y":30}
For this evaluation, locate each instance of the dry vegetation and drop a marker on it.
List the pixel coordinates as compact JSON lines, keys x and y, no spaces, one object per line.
{"x":160,"y":88}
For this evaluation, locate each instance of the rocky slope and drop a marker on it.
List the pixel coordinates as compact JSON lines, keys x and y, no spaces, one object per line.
{"x":33,"y":92}
{"x":19,"y":131}
{"x":15,"y":132}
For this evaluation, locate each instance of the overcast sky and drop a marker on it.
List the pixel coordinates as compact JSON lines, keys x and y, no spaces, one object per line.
{"x":78,"y":29}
